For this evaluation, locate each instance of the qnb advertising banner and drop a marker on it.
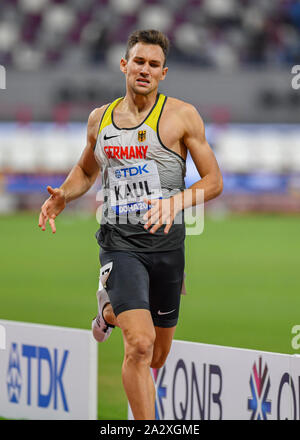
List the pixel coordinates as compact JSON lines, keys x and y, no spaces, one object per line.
{"x":47,"y":372}
{"x":203,"y":382}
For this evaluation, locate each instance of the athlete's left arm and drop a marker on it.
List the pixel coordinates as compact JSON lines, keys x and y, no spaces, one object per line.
{"x":194,"y":139}
{"x":208,"y":187}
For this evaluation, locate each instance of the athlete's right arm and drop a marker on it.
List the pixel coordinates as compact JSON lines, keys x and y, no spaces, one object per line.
{"x":79,"y":180}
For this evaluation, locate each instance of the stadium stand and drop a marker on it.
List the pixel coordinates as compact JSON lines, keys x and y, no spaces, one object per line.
{"x":214,"y":33}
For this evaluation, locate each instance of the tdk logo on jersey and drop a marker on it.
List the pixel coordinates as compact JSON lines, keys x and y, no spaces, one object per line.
{"x":14,"y":378}
{"x":132,"y":171}
{"x":43,"y":371}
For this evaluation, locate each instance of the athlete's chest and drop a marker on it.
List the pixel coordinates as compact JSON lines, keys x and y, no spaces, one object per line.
{"x":127,"y":144}
{"x":124,"y":119}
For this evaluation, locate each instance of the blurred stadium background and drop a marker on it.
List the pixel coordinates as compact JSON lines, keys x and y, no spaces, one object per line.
{"x":232,"y":59}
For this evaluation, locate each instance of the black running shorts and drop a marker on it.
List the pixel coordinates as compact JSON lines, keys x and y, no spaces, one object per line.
{"x":151,"y":281}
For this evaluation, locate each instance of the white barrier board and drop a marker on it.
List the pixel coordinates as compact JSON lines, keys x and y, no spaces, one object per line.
{"x":47,"y":372}
{"x":202,"y":382}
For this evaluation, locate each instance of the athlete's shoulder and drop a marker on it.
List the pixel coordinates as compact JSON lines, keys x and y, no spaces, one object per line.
{"x":180,"y":106}
{"x":94,"y":121}
{"x":96,"y":114}
{"x":183,"y":111}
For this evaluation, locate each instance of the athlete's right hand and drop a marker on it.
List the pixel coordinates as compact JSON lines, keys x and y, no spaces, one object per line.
{"x":52,"y":207}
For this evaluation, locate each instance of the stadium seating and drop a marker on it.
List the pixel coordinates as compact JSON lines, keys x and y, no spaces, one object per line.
{"x":219,"y":33}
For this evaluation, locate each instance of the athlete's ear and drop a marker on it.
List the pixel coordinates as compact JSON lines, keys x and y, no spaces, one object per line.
{"x":164,"y":73}
{"x":123,"y":65}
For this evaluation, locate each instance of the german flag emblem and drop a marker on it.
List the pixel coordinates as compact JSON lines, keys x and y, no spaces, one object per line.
{"x":142,"y":135}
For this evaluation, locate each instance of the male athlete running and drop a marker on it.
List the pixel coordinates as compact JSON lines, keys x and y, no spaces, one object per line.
{"x":140,"y":143}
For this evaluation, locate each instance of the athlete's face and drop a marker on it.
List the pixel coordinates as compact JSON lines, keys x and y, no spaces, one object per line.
{"x":144,"y":68}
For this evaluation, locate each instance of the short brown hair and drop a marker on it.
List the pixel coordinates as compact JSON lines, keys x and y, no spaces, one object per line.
{"x":150,"y":36}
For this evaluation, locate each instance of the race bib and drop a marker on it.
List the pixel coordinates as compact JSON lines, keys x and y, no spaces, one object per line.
{"x":130,"y":185}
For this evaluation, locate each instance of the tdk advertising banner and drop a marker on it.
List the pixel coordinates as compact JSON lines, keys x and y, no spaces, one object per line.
{"x":210,"y":382}
{"x":47,"y":372}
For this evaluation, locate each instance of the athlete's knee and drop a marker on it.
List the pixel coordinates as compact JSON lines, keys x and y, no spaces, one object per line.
{"x":139,"y":348}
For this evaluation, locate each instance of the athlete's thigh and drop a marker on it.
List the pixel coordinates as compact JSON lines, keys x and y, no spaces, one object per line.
{"x":128,"y":283}
{"x":165,"y":287}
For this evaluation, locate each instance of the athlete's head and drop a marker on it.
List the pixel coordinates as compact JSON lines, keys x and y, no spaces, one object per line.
{"x":145,"y":60}
{"x":151,"y":36}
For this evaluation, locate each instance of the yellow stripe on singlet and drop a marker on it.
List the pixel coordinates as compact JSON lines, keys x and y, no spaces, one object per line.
{"x":152,"y":119}
{"x":107,"y":119}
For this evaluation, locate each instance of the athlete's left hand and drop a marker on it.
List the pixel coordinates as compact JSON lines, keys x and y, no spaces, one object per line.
{"x":162,"y":211}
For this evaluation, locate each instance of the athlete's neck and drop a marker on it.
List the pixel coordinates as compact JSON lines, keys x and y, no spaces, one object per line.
{"x":137,"y":104}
